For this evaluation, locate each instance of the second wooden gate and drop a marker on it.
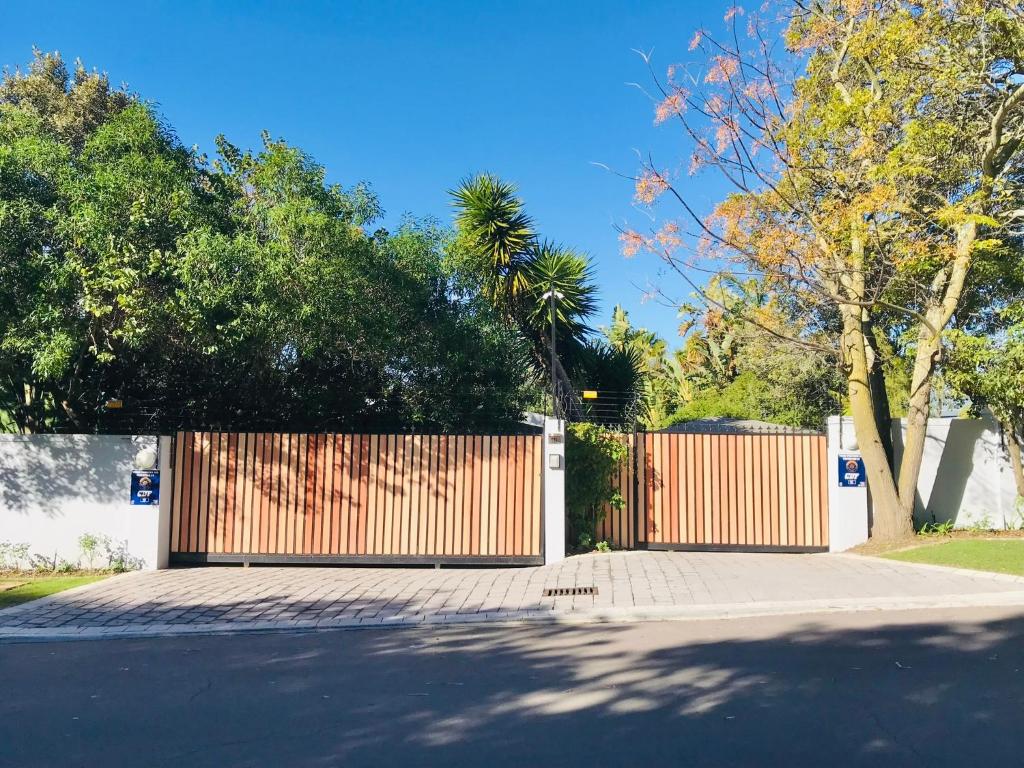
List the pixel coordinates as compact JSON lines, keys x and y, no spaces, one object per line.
{"x":743,"y":492}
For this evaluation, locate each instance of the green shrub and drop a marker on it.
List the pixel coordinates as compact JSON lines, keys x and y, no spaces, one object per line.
{"x":592,"y":458}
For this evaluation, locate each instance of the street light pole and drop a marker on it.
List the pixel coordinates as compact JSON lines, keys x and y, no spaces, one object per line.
{"x":551,"y":295}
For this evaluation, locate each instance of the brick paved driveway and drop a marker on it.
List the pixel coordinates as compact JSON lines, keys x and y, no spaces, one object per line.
{"x":630,"y":586}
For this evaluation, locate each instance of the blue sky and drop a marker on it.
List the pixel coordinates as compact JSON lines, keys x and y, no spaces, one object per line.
{"x":411,"y":97}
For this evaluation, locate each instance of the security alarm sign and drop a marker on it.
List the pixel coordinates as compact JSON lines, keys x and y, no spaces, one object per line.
{"x":851,"y":472}
{"x":145,"y":487}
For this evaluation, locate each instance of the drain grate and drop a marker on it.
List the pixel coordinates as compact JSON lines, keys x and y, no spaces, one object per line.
{"x":569,"y":591}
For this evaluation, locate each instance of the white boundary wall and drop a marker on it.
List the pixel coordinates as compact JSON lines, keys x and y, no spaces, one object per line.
{"x":966,"y":476}
{"x":54,"y":488}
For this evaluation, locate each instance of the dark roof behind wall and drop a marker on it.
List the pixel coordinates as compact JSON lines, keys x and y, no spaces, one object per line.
{"x":723,"y":425}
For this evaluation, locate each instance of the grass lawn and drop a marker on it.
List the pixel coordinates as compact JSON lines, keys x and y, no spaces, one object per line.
{"x":1006,"y":556}
{"x":34,"y":587}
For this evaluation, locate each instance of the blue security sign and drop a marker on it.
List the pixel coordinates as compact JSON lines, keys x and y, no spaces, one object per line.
{"x":145,"y":487}
{"x":851,"y":472}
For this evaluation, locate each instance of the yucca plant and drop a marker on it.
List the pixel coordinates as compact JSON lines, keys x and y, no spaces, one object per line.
{"x":500,"y":234}
{"x":552,"y":267}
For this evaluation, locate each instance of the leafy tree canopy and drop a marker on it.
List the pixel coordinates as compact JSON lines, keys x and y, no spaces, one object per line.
{"x":240,"y":291}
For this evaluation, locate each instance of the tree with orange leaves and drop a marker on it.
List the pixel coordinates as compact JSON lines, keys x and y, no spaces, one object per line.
{"x":876,"y":158}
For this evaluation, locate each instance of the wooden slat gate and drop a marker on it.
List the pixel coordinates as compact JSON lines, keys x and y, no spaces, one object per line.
{"x":342,"y":498}
{"x":761,"y":492}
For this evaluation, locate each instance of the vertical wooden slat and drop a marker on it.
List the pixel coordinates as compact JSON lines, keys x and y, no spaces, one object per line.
{"x":283,"y":497}
{"x":795,"y":482}
{"x":231,"y":482}
{"x":453,"y":510}
{"x":748,"y":453}
{"x":719,"y":511}
{"x":264,"y":505}
{"x":538,"y":476}
{"x":336,"y":539}
{"x":283,"y":482}
{"x":194,"y":502}
{"x":307,"y":471}
{"x":811,"y":487}
{"x":823,"y":489}
{"x":180,"y":484}
{"x":350,"y":508}
{"x":371,"y":499}
{"x":385,"y":498}
{"x":286,"y":469}
{"x":322,"y":493}
{"x":252,"y":491}
{"x":276,"y":516}
{"x":325,"y":495}
{"x":206,"y":493}
{"x":441,"y":494}
{"x":766,"y":513}
{"x":493,"y":493}
{"x":309,"y":490}
{"x":360,"y":491}
{"x":430,"y":532}
{"x":387,"y":502}
{"x":520,"y":503}
{"x":698,"y":489}
{"x":218,"y":475}
{"x":466,"y":529}
{"x":190,"y":532}
{"x":732,"y":480}
{"x":486,"y":503}
{"x":672,"y":456}
{"x":775,"y":502}
{"x":424,"y":497}
{"x":510,"y":497}
{"x":793,"y":476}
{"x":343,"y":466}
{"x":708,"y":483}
{"x":270,"y":515}
{"x":477,"y":463}
{"x":457,"y":474}
{"x":414,"y":474}
{"x":810,"y":538}
{"x":786,"y":518}
{"x":690,"y":486}
{"x":756,"y":479}
{"x":400,"y":528}
{"x":658,"y":499}
{"x":501,"y":517}
{"x":408,"y":491}
{"x":244,"y":491}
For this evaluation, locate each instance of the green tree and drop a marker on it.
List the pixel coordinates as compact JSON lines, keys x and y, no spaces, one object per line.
{"x":876,"y":164}
{"x":239,"y":291}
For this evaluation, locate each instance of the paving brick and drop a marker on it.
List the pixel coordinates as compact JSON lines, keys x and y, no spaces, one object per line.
{"x":635,"y":584}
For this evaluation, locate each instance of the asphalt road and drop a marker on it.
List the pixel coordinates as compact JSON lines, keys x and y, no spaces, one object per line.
{"x":932,"y":688}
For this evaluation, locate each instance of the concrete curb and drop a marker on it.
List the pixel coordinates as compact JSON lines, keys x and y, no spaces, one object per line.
{"x":588,"y":616}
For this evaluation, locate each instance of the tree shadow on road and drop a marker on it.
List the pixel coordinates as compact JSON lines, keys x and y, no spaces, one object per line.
{"x":858,"y":689}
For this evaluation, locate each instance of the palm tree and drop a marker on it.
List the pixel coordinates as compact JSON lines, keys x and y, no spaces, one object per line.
{"x":516,"y":269}
{"x":498,"y":232}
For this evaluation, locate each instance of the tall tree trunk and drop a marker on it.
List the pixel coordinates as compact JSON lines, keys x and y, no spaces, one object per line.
{"x":947,"y":290}
{"x":1012,"y":436}
{"x":887,"y":516}
{"x":879,"y":393}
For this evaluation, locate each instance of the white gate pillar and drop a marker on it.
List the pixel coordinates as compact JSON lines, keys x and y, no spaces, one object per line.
{"x":847,"y":507}
{"x":554,"y":490}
